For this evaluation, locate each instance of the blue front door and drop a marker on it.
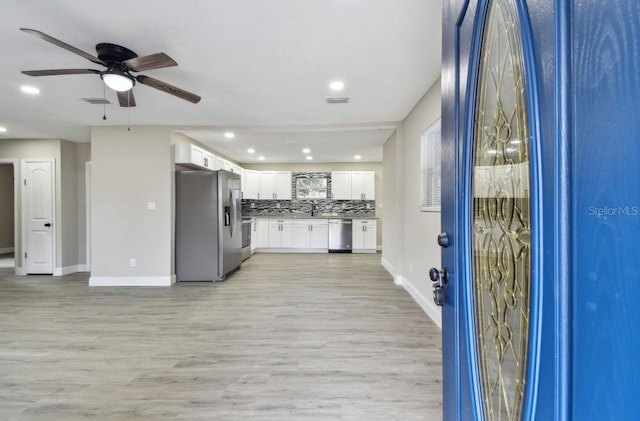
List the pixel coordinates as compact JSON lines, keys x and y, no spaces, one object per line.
{"x":540,"y":281}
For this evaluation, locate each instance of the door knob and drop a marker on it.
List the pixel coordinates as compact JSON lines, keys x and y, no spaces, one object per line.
{"x":439,"y":278}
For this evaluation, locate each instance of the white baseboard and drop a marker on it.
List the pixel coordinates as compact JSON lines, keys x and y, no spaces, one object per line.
{"x":389,"y":267}
{"x":426,"y":303}
{"x":135,"y":281}
{"x":364,"y":251}
{"x":290,"y":250}
{"x":69,"y":269}
{"x":5,"y":250}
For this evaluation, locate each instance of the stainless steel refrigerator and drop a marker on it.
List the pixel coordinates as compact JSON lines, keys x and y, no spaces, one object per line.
{"x":208,"y":225}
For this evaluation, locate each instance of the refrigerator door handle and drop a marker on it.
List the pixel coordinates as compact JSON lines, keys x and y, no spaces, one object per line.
{"x":227,"y":216}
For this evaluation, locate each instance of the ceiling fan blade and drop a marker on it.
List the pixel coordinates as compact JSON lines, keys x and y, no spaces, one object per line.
{"x":57,"y":72}
{"x":170,"y":89}
{"x":64,"y":45}
{"x":150,"y":62}
{"x":126,"y":98}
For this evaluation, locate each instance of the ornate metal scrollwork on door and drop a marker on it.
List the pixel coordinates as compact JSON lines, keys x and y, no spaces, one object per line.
{"x":500,"y":225}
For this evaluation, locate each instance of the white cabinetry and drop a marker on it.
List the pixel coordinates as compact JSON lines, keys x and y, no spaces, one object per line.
{"x":363,"y":185}
{"x":261,"y":232}
{"x":243,"y":182}
{"x":192,"y":156}
{"x":254,"y":235}
{"x":341,"y":185}
{"x":353,"y":185}
{"x":280,"y":233}
{"x":364,"y":236}
{"x":275,"y":185}
{"x":311,"y":234}
{"x":219,"y":163}
{"x":252,"y":184}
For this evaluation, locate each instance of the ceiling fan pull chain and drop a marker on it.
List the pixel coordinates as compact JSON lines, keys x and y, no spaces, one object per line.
{"x":104,"y":104}
{"x":129,"y":110}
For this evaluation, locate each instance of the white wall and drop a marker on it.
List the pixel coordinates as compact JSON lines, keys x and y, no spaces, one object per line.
{"x":129,"y":170}
{"x":411,"y":249}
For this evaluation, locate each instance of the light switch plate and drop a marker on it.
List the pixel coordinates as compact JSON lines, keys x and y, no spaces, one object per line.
{"x":151,"y":205}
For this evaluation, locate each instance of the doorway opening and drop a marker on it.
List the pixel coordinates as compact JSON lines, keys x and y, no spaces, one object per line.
{"x":7,"y":217}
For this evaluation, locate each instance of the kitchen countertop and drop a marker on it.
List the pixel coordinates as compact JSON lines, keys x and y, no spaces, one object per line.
{"x":307,"y":216}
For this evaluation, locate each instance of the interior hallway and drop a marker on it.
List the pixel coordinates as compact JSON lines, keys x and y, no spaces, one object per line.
{"x":288,"y":337}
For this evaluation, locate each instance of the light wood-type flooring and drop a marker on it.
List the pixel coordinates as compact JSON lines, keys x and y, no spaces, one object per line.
{"x":288,"y":337}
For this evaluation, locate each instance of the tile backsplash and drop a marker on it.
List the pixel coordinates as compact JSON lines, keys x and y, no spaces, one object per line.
{"x":252,"y":207}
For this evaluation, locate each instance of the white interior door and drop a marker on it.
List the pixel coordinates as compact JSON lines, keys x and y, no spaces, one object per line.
{"x":38,"y":184}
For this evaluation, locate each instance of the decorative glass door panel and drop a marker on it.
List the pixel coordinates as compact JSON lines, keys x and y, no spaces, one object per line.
{"x":500,"y":225}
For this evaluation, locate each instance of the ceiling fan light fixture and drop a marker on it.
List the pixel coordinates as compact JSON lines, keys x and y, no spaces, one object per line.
{"x":117,"y":81}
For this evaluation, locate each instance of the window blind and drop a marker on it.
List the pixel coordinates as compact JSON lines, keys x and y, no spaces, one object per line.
{"x":431,"y":142}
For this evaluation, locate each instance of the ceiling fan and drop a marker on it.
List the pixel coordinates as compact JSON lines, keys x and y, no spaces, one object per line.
{"x":120,"y":63}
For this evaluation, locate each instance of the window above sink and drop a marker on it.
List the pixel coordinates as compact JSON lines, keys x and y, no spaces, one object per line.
{"x":311,"y":188}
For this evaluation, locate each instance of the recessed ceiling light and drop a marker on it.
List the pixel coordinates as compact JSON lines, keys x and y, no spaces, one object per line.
{"x":306,"y":150}
{"x":31,"y":90}
{"x":357,"y":157}
{"x":3,"y":129}
{"x":336,"y":85}
{"x":261,"y":158}
{"x":229,"y":135}
{"x":251,"y":150}
{"x":309,"y":157}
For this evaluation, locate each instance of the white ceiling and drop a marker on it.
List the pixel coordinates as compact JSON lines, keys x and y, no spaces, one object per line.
{"x":262,"y":69}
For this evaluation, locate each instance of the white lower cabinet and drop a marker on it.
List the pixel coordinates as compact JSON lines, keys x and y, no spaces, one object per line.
{"x":364,"y":235}
{"x":311,"y":233}
{"x":254,"y":235}
{"x":280,"y":233}
{"x":261,"y":232}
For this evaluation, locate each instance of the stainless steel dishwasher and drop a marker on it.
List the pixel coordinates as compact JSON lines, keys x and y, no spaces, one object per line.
{"x":340,"y":235}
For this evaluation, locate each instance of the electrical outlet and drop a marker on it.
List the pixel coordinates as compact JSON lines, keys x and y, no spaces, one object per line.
{"x":132,"y":262}
{"x":253,"y":205}
{"x":368,"y":205}
{"x":344,"y":206}
{"x":410,"y":268}
{"x":278,"y":205}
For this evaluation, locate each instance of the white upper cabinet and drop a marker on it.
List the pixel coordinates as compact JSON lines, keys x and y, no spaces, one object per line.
{"x":192,"y":156}
{"x":283,"y":185}
{"x":341,"y":185}
{"x":353,"y":185}
{"x":267,"y":185}
{"x":275,"y":185}
{"x":252,"y":184}
{"x":243,"y":182}
{"x":363,"y":185}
